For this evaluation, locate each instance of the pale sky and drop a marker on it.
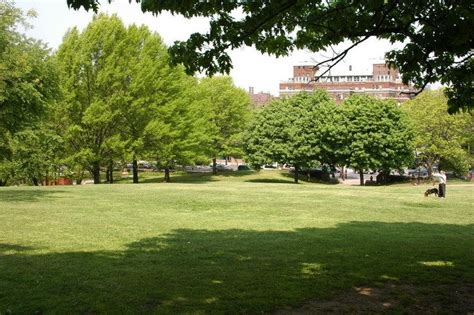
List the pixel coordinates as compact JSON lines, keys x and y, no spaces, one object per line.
{"x":251,"y":68}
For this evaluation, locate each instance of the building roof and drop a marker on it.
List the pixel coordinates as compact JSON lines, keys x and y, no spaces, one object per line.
{"x":344,"y":68}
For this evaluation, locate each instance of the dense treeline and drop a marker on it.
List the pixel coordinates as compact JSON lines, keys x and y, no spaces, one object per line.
{"x":105,"y":97}
{"x":363,"y":132}
{"x":109,"y":96}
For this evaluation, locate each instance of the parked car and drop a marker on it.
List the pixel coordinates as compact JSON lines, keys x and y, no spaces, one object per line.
{"x":244,"y":168}
{"x":269,"y":168}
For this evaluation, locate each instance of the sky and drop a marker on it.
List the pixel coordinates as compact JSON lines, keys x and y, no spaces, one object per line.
{"x":251,"y":68}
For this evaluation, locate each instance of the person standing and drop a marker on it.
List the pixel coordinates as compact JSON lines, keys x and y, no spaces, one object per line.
{"x":441,"y":179}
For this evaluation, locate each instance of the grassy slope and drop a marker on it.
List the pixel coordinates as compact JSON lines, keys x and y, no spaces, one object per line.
{"x":230,"y":244}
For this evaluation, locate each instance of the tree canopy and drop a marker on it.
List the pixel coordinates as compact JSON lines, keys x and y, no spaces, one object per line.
{"x":439,"y":138}
{"x":227,"y":111}
{"x":379,"y":136}
{"x":437,"y":37}
{"x":289,"y":131}
{"x":28,"y":82}
{"x":116,"y":81}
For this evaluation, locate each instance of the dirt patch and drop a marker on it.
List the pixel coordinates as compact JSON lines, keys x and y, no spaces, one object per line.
{"x":394,"y":298}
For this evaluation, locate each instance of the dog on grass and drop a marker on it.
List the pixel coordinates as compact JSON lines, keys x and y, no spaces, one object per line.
{"x":431,"y":191}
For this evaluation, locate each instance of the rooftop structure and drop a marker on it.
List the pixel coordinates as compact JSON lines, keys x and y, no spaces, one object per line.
{"x":345,"y":80}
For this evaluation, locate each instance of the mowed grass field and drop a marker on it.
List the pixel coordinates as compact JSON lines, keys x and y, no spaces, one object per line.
{"x":236,"y":243}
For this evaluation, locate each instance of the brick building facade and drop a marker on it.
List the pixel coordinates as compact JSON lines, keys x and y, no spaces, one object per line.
{"x":259,"y":99}
{"x":380,"y":81}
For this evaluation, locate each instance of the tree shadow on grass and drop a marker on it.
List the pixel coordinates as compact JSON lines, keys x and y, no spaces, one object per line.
{"x":29,"y":194}
{"x":245,"y":271}
{"x":270,"y":181}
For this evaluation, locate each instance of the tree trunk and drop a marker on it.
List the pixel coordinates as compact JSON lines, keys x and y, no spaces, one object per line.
{"x":3,"y":182}
{"x":297,"y":170}
{"x":167,"y":174}
{"x":214,"y":166}
{"x":111,"y":172}
{"x":35,"y":181}
{"x":96,"y":173}
{"x":342,"y":173}
{"x":361,"y":174}
{"x":429,"y":169}
{"x":135,"y":171}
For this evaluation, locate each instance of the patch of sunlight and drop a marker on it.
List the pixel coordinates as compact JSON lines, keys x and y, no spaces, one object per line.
{"x":211,"y":300}
{"x":387,"y":277}
{"x":244,"y":258}
{"x":177,"y":300}
{"x":217,"y":281}
{"x":311,"y":269}
{"x":437,"y":263}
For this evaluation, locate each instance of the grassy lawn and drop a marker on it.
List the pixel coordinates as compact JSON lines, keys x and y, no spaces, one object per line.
{"x":235,"y":243}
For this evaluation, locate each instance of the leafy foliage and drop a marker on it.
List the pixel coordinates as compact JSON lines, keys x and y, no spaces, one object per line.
{"x":226,"y":110}
{"x":288,"y":131}
{"x":439,"y":137}
{"x":437,"y":35}
{"x":379,"y":135}
{"x":28,"y":82}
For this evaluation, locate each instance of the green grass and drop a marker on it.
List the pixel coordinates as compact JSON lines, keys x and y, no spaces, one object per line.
{"x":234,"y":243}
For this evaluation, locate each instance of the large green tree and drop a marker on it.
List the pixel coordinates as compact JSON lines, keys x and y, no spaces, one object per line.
{"x":379,"y":134}
{"x":227,"y":111}
{"x":93,"y":72}
{"x":176,"y":134}
{"x":28,"y":81}
{"x":288,"y":132}
{"x":439,"y":137}
{"x":436,"y":35}
{"x":115,"y":80}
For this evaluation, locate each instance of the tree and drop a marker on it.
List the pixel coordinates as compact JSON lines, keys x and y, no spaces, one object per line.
{"x":92,"y":80}
{"x":37,"y":155}
{"x":437,"y":37}
{"x":287,"y":132}
{"x":116,"y":79}
{"x":331,"y":133}
{"x":149,"y":84}
{"x":227,"y":111}
{"x":176,"y":134}
{"x":439,"y":137}
{"x":379,"y":135}
{"x":28,"y":82}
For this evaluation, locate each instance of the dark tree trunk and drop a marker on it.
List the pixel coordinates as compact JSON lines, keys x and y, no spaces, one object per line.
{"x":167,"y":174}
{"x":386,"y":174}
{"x":361,"y":174}
{"x":78,"y":181}
{"x":214,"y":166}
{"x":35,"y":181}
{"x":3,"y":182}
{"x":96,"y":173}
{"x":429,"y":169}
{"x":111,"y":172}
{"x":135,"y":171}
{"x":297,"y":171}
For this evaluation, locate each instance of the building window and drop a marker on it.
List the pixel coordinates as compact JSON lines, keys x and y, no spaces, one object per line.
{"x":356,"y":79}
